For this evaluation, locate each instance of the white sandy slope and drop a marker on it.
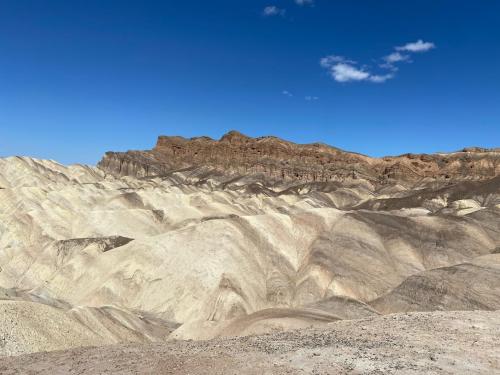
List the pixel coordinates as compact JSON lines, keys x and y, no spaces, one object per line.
{"x":27,"y":327}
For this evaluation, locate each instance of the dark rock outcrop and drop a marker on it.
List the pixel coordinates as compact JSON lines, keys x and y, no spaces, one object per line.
{"x":277,"y":160}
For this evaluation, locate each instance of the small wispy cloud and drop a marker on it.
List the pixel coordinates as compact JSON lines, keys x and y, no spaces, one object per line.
{"x":328,"y":61}
{"x":390,"y":61}
{"x":273,"y":10}
{"x":346,"y":70}
{"x":377,"y":78}
{"x":418,"y":46}
{"x":304,"y":2}
{"x":396,"y":57}
{"x":310,"y":98}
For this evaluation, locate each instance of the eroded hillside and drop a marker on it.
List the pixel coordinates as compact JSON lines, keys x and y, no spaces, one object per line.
{"x":201,"y":239}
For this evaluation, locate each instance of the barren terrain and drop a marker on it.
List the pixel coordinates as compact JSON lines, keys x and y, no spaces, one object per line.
{"x":218,"y":240}
{"x":417,"y":343}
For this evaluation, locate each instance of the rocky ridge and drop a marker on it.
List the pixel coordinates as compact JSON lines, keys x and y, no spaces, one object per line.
{"x":280,"y":161}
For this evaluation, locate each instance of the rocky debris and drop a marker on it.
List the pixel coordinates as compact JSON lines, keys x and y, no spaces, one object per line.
{"x":344,"y":307}
{"x":417,"y":343}
{"x":277,"y":160}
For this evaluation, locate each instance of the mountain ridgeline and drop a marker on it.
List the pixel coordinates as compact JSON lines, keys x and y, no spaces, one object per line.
{"x":273,"y":161}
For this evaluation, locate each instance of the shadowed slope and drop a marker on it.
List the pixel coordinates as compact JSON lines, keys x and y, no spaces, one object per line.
{"x":468,"y":286}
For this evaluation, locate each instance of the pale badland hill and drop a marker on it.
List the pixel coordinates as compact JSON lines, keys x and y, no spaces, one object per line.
{"x":218,"y":240}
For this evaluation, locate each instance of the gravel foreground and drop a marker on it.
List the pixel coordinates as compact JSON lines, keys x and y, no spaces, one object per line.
{"x":415,"y":343}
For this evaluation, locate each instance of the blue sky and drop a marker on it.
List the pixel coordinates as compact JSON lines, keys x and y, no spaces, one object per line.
{"x":78,"y":78}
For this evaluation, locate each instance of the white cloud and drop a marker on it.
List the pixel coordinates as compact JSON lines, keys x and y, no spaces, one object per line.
{"x":272,"y":10}
{"x":328,"y":61}
{"x":396,"y":57}
{"x":380,"y":78}
{"x":311,"y":98}
{"x":345,"y":70}
{"x":304,"y":2}
{"x":287,"y":93}
{"x":418,"y":46}
{"x":390,"y":61}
